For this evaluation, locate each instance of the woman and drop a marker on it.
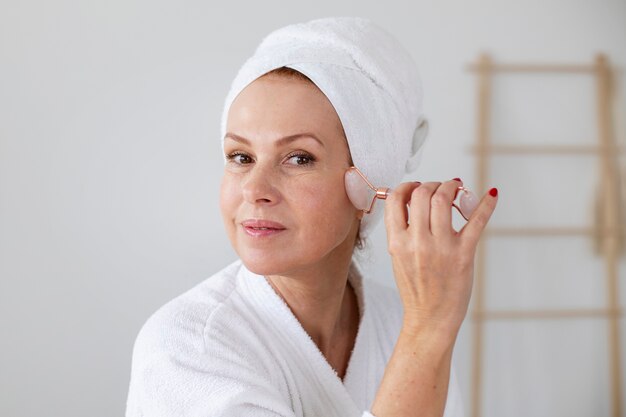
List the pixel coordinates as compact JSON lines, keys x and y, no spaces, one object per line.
{"x":292,"y":328}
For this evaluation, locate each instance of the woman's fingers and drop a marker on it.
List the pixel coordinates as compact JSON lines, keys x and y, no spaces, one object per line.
{"x":441,"y":208}
{"x":395,"y":207}
{"x":419,"y":211}
{"x":430,"y":210}
{"x":478,"y":220}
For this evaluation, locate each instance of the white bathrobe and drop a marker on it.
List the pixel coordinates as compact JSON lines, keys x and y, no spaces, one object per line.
{"x":230,"y":346}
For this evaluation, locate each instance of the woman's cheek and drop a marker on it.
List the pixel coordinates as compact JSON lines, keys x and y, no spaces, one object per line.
{"x":321,"y":201}
{"x":228,"y":196}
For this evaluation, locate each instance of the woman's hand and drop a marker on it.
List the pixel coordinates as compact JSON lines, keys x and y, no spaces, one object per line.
{"x":433,"y":264}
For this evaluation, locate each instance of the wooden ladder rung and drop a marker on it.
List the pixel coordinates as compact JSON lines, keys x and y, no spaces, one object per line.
{"x":560,"y":150}
{"x":559,"y":68}
{"x":549,"y":231}
{"x":544,"y":314}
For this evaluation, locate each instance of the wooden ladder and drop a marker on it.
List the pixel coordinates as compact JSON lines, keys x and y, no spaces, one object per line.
{"x":607,"y":231}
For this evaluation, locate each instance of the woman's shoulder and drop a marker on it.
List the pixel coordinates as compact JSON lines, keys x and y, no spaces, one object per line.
{"x":181,"y":322}
{"x":383,"y":303}
{"x":385,"y":295}
{"x":193,"y":353}
{"x":379,"y":295}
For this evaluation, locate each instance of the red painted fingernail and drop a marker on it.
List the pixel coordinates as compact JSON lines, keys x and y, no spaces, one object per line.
{"x":493,"y":192}
{"x":457,"y":179}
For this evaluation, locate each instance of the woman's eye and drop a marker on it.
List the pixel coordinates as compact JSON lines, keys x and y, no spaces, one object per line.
{"x":239,"y":158}
{"x":301,"y":159}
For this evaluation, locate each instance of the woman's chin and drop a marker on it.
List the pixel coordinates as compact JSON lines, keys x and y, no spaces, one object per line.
{"x":262,"y":266}
{"x":274,"y":262}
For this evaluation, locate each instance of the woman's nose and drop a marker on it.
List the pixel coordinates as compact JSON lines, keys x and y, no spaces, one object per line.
{"x":258,"y":187}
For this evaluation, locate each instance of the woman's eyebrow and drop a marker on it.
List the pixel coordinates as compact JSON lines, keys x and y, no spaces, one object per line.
{"x":279,"y":142}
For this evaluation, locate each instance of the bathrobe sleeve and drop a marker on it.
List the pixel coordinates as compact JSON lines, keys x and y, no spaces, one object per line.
{"x":454,"y":404}
{"x":174,"y":373}
{"x":174,"y":376}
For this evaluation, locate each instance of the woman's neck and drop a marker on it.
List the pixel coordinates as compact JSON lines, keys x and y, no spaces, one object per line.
{"x":326,"y":306}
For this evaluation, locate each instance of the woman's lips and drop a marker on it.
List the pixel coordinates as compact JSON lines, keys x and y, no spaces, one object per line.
{"x":262,"y":228}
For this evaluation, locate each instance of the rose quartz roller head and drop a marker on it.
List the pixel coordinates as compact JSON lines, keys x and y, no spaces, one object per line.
{"x":468,"y":201}
{"x":363,"y":194}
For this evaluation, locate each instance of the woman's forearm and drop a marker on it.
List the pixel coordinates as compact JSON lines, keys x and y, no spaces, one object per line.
{"x":416,"y":379}
{"x":433,"y":266}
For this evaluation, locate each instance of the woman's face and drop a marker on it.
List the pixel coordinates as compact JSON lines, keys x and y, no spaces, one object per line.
{"x":282,"y":196}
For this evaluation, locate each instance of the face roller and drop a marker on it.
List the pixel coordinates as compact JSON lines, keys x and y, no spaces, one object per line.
{"x":363,"y":194}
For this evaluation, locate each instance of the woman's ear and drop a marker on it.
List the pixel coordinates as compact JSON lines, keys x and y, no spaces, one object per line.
{"x":419,"y":137}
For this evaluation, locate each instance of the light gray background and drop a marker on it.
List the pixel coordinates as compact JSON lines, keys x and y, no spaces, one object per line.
{"x":110,"y":164}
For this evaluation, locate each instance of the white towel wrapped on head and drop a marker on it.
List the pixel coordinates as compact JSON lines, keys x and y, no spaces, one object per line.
{"x":370,"y":79}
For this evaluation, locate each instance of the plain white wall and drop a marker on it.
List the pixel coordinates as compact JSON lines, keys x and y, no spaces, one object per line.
{"x":110,"y":164}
